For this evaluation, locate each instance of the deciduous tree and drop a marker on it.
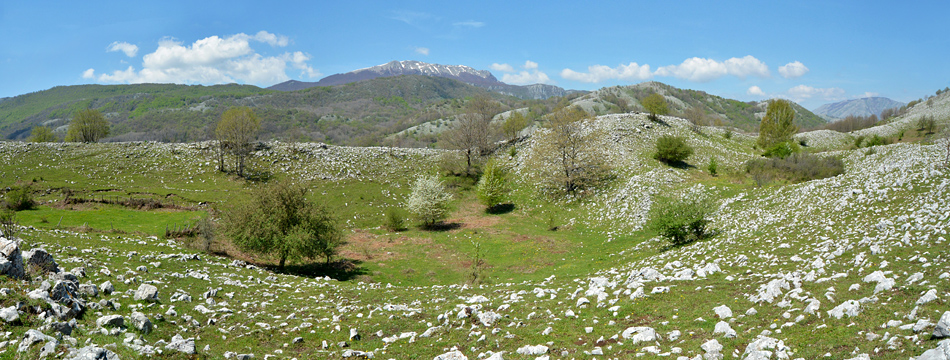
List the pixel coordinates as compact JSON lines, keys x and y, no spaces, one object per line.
{"x":567,"y":156}
{"x":778,"y":124}
{"x":87,"y":126}
{"x":472,"y":131}
{"x":43,"y":134}
{"x":280,"y":221}
{"x":428,"y":200}
{"x":235,"y":132}
{"x":655,"y":104}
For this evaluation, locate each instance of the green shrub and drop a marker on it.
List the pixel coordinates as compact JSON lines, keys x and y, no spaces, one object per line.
{"x":858,"y":141}
{"x":727,"y":134}
{"x":795,"y":168}
{"x":672,"y":149}
{"x":493,"y":187}
{"x":876,"y":140}
{"x":20,"y":198}
{"x":680,"y":220}
{"x":713,"y":167}
{"x":783,"y":150}
{"x":395,"y":219}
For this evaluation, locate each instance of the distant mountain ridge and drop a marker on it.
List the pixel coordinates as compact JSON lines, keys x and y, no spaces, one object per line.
{"x":481,"y":78}
{"x":857,"y":107}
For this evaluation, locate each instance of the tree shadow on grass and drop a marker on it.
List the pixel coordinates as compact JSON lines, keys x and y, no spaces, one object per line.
{"x":500,"y":209}
{"x":442,"y":226}
{"x":342,"y":270}
{"x":679,"y":165}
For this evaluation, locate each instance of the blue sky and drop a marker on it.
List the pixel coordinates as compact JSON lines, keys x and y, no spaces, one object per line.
{"x":811,"y":52}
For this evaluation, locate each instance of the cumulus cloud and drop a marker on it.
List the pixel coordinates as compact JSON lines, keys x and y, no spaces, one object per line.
{"x":805,"y":92}
{"x":530,"y":74}
{"x":129,"y":49}
{"x":703,"y":70}
{"x":502,"y":67}
{"x":89,"y":74}
{"x":755,"y":90}
{"x":598,"y":73}
{"x":422,"y":51}
{"x":215,"y":60}
{"x":793,"y":70}
{"x":526,"y":78}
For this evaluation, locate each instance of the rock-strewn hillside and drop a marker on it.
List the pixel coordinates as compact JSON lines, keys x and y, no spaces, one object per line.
{"x":848,"y":267}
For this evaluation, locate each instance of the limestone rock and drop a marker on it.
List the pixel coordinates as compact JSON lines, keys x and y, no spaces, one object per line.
{"x":40,"y":259}
{"x":943,"y":326}
{"x":638,"y":334}
{"x":182,"y":345}
{"x":93,"y":353}
{"x":941,"y":352}
{"x":140,"y":322}
{"x":146,"y":292}
{"x":11,"y":260}
{"x":452,"y":355}
{"x":111,"y":321}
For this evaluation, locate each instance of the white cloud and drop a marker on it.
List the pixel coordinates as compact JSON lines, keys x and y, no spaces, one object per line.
{"x":215,"y":60}
{"x":598,"y":73}
{"x":755,"y":90}
{"x":526,"y":78}
{"x":703,"y":70}
{"x":129,"y":49}
{"x":747,"y":66}
{"x":89,"y":74}
{"x":868,"y":94}
{"x":422,"y":51}
{"x":502,"y":67}
{"x":792,"y":70}
{"x":470,"y":23}
{"x":528,"y":64}
{"x":805,"y":92}
{"x":271,"y":39}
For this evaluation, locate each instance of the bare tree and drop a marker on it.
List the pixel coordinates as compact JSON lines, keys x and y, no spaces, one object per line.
{"x":472,"y":131}
{"x":235,"y":132}
{"x":567,"y":156}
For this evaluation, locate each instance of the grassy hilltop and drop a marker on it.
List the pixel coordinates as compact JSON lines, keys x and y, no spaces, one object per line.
{"x":576,"y":277}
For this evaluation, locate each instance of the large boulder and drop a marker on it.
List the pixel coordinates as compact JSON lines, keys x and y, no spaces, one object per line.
{"x":140,"y":322}
{"x":146,"y":292}
{"x":93,"y":353}
{"x":11,"y":260}
{"x":943,"y":326}
{"x":182,"y":345}
{"x":41,"y":260}
{"x":941,"y":352}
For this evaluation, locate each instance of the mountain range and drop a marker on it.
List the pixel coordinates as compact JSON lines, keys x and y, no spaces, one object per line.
{"x":466,"y":74}
{"x":858,"y":107}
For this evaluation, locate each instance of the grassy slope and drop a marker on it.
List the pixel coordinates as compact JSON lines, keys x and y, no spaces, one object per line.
{"x":889,"y":206}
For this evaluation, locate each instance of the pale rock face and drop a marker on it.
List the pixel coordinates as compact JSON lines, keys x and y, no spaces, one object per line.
{"x":640,"y":334}
{"x":851,"y":308}
{"x":40,"y":259}
{"x":11,"y":260}
{"x":146,"y":292}
{"x":941,"y":352}
{"x":942,"y":330}
{"x":452,"y":355}
{"x":533,"y":350}
{"x":723,"y":312}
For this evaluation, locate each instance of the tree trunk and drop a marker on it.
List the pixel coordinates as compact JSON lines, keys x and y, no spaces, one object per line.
{"x":280,"y":267}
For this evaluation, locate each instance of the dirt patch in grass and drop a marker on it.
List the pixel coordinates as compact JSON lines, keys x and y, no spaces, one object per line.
{"x":366,"y":246}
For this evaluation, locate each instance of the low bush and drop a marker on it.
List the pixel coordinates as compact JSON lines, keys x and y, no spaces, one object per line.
{"x":672,"y":149}
{"x":395,"y":219}
{"x":680,"y":220}
{"x":20,"y":198}
{"x":713,"y":167}
{"x":8,"y":224}
{"x":795,"y":168}
{"x":782,"y":150}
{"x":876,"y":140}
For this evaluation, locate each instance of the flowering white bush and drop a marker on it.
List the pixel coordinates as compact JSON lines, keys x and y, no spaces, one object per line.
{"x":428,"y":200}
